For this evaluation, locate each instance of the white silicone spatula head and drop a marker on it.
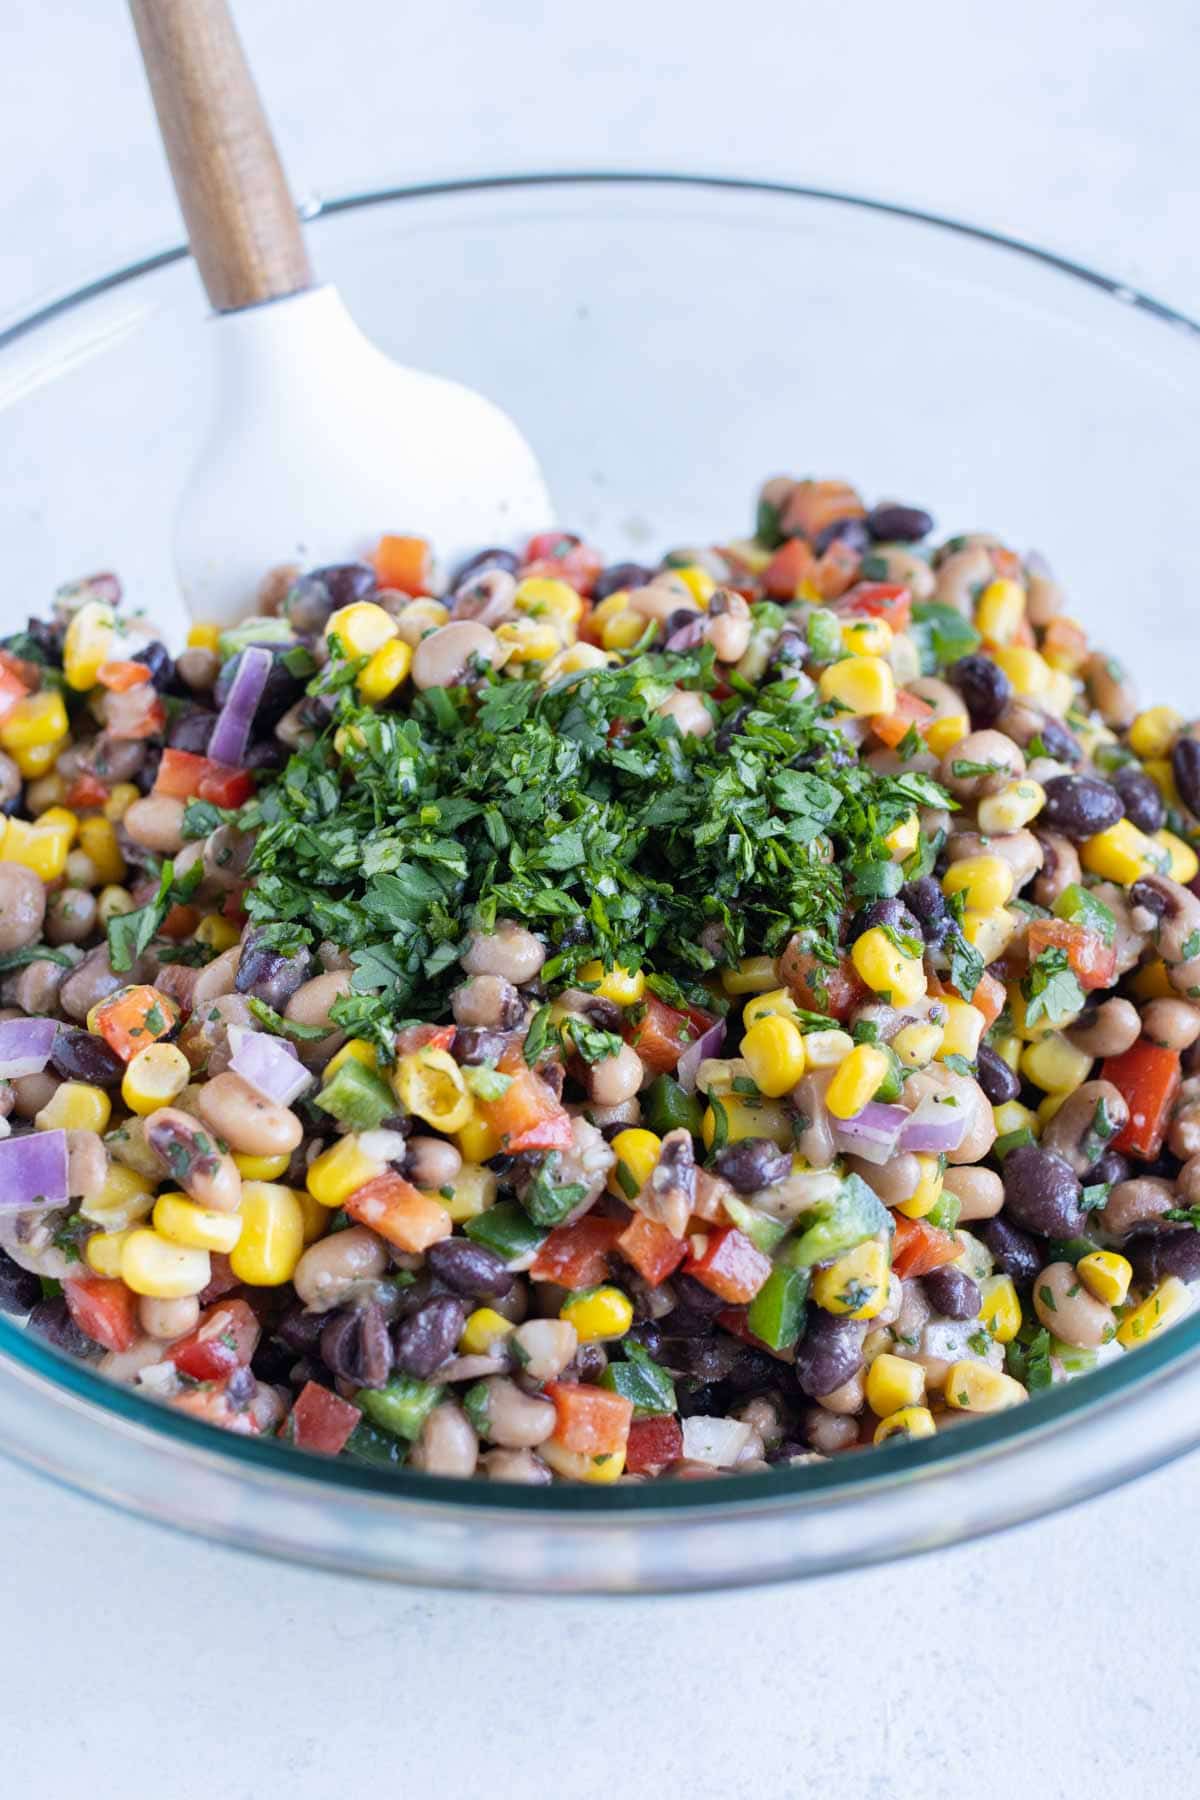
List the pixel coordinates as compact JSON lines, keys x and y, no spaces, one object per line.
{"x":320,"y":441}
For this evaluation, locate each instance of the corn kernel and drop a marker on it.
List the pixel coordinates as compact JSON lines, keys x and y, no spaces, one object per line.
{"x":776,"y":1002}
{"x":856,"y":1284}
{"x":75,"y":1106}
{"x":477,"y":1140}
{"x":941,"y":734}
{"x":1184,"y":865}
{"x":154,"y":1077}
{"x":1106,"y":1275}
{"x":419,"y":618}
{"x":102,"y":1253}
{"x":1000,"y":1308}
{"x":698,"y":581}
{"x":917,"y":1045}
{"x":963,"y":1029}
{"x":1169,"y":1302}
{"x":542,"y":597}
{"x":204,"y":637}
{"x":125,"y":1198}
{"x":774,"y":1051}
{"x":999,"y":611}
{"x":88,"y":643}
{"x":753,"y":975}
{"x":894,"y":1382}
{"x":59,"y":818}
{"x":429,"y":1084}
{"x":624,"y":987}
{"x":1008,"y":1048}
{"x":598,"y":1316}
{"x":886,"y":969}
{"x":35,"y":760}
{"x":161,"y":1270}
{"x":1058,"y":695}
{"x":272,"y":1236}
{"x":1052,"y":1104}
{"x":1011,"y":1116}
{"x":385,"y":672}
{"x":1154,"y":731}
{"x":622,"y":630}
{"x":903,"y":838}
{"x":314,"y":1216}
{"x":856,"y":1080}
{"x":1026,"y":669}
{"x":112,"y":901}
{"x":260,"y":1168}
{"x":474,"y":1191}
{"x":1018,"y":1009}
{"x":361,"y":628}
{"x":827,"y":1049}
{"x":181,"y":1221}
{"x":45,"y":851}
{"x":867,"y":637}
{"x":1122,"y":854}
{"x":985,"y":881}
{"x":609,"y":607}
{"x":571,"y":660}
{"x":98,"y":839}
{"x":218,"y":933}
{"x":745,"y":1118}
{"x":358,"y":1050}
{"x":927,"y":1192}
{"x":530,"y":640}
{"x":989,"y":932}
{"x":1054,"y":1065}
{"x":637,"y":1154}
{"x":484,"y":1332}
{"x":1152,"y":982}
{"x":974,"y":1387}
{"x":578,"y":1465}
{"x":910,"y":1421}
{"x":861,"y":685}
{"x":1012,"y":808}
{"x":339,"y":1171}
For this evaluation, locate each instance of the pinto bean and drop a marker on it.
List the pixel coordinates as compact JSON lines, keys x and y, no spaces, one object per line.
{"x":1111,"y":691}
{"x":1113,"y":1028}
{"x":93,"y":981}
{"x":1140,"y":1201}
{"x":447,"y":1444}
{"x":615,"y":1079}
{"x":22,"y":906}
{"x":893,"y":1181}
{"x":692,"y":718}
{"x":247,"y":1122}
{"x":1086,"y":1124}
{"x":156,"y":823}
{"x":981,"y":747}
{"x":828,"y":1432}
{"x":70,"y":916}
{"x":520,"y":1466}
{"x":979,"y":1192}
{"x":1065,"y":1307}
{"x":1021,"y":850}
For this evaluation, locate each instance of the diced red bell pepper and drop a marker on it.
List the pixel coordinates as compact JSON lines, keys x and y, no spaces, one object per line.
{"x":400,"y":1213}
{"x":918,"y":1248}
{"x":1093,"y":961}
{"x":211,"y":1403}
{"x":221,"y":1278}
{"x":134,"y":1017}
{"x":403,"y":563}
{"x":12,"y":689}
{"x":910,"y":711}
{"x":728,"y":1264}
{"x":186,"y":776}
{"x":1148,"y":1077}
{"x":119,"y":677}
{"x":86,"y":793}
{"x":791,"y":566}
{"x":560,"y":556}
{"x":320,"y":1420}
{"x":837,"y":570}
{"x":653,"y":1251}
{"x":831,"y":988}
{"x":653,"y":1444}
{"x":105,"y":1311}
{"x":661,"y":1035}
{"x":890,"y":601}
{"x":221,"y":785}
{"x":591,"y":1421}
{"x":574,"y":1255}
{"x":527,"y":1116}
{"x":812,"y":506}
{"x":1066,"y":640}
{"x":180,"y":923}
{"x":28,"y":674}
{"x":224,"y":1340}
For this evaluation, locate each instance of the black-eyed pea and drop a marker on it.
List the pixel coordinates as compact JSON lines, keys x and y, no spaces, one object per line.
{"x":1068,"y":1311}
{"x":245,"y":1120}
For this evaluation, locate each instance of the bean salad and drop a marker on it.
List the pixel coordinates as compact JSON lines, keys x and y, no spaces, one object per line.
{"x":592,"y":1022}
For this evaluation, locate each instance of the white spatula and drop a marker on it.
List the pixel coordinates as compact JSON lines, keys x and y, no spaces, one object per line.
{"x":320,"y":442}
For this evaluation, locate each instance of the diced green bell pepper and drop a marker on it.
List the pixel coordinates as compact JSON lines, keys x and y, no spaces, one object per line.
{"x":765,"y":1234}
{"x":665,"y":1107}
{"x":776,"y":1314}
{"x":357,"y":1097}
{"x":837,"y":1225}
{"x":378,"y":1449}
{"x":402,"y":1406}
{"x":506,"y":1229}
{"x":641,"y":1380}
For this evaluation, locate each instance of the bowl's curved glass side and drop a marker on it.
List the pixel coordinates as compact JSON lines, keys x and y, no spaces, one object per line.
{"x":808,"y":334}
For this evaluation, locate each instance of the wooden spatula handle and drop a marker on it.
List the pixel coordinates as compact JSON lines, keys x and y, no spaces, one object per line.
{"x":241,"y":219}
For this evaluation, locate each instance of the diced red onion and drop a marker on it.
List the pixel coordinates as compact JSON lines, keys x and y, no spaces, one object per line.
{"x":689,"y":636}
{"x":270,"y":1065}
{"x":871,"y":1133}
{"x":231,"y":733}
{"x":717,"y":1442}
{"x":25,"y":1046}
{"x":706,"y":1045}
{"x":938,"y":1125}
{"x":33,"y":1171}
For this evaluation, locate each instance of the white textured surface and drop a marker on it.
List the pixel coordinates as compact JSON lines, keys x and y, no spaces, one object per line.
{"x":1057,"y":1659}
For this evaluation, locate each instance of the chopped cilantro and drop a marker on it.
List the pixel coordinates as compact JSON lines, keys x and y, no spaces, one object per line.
{"x":1051,"y":988}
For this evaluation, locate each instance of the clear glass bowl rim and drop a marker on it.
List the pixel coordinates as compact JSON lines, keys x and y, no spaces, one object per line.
{"x":1054,"y":1412}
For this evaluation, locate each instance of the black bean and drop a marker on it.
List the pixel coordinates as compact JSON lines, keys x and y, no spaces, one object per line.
{"x":891,"y":523}
{"x":926,"y":902}
{"x":829,"y":1353}
{"x":161,"y":664}
{"x":704,"y":1399}
{"x":265,"y":755}
{"x":1059,"y":743}
{"x":1144,"y":805}
{"x":1014,"y":1252}
{"x":301,"y":1330}
{"x":587,"y":1365}
{"x":356,"y":1345}
{"x":1041,"y":1192}
{"x":952,"y":1293}
{"x":147,"y":772}
{"x":1185,"y":766}
{"x":788,"y":652}
{"x":191,"y":729}
{"x":427,"y":1339}
{"x":1157,"y":1254}
{"x":1111,"y":1168}
{"x":481,"y":562}
{"x":985,"y":688}
{"x":1079,"y":806}
{"x":470,"y":1269}
{"x":618,"y":577}
{"x":312,"y":598}
{"x":677,"y":620}
{"x":51,"y":1319}
{"x":732,"y":727}
{"x":273,"y":1361}
{"x":752,"y":1369}
{"x":82,"y":1056}
{"x":707,"y":1358}
{"x":785,"y":1451}
{"x":852,"y":532}
{"x":269,"y":975}
{"x":997,"y":1080}
{"x":752,"y":1163}
{"x":695,"y":1307}
{"x":19,"y":1290}
{"x":647,"y":1333}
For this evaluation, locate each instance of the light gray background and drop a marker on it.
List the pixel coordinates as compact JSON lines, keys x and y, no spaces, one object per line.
{"x":1056,"y":1660}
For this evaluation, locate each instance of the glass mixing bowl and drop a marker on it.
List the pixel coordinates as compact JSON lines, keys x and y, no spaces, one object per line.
{"x":665,"y":343}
